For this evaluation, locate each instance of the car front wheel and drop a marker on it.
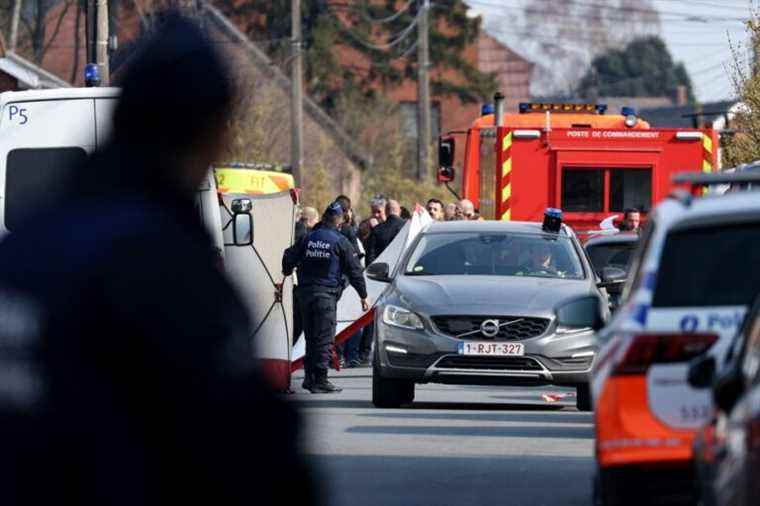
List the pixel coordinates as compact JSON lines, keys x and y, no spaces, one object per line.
{"x":390,"y":392}
{"x":583,"y":397}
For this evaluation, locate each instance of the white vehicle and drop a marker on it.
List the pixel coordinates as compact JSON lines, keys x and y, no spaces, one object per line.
{"x":43,"y":134}
{"x":693,"y":278}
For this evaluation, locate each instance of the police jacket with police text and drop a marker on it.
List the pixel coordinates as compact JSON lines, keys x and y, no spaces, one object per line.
{"x":322,"y":258}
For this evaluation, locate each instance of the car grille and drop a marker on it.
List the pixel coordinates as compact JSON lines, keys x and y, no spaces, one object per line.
{"x":525,"y":328}
{"x":499,"y":363}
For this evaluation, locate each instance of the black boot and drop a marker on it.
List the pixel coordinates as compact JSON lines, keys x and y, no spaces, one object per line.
{"x":308,"y":381}
{"x":321,"y":385}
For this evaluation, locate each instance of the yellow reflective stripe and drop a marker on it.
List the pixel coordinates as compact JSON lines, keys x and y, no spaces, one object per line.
{"x":506,"y":192}
{"x":707,"y":143}
{"x":506,"y":167}
{"x":506,"y":142}
{"x":507,"y":215}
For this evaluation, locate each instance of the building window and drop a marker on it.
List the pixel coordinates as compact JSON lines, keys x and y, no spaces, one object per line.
{"x":583,"y":190}
{"x":408,"y":112}
{"x":37,"y":176}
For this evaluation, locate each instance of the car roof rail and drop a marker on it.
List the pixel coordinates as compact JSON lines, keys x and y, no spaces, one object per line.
{"x":714,"y":178}
{"x":681,"y":196}
{"x":749,"y":166}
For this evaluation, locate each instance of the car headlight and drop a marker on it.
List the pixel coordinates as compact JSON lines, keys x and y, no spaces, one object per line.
{"x":400,"y":317}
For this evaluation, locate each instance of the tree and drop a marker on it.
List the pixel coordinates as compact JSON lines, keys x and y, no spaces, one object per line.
{"x":644,"y":68}
{"x":382,"y":35}
{"x":744,"y":145}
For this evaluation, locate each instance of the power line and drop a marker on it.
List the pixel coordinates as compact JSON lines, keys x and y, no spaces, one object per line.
{"x":686,"y":17}
{"x":394,"y":41}
{"x":389,"y":19}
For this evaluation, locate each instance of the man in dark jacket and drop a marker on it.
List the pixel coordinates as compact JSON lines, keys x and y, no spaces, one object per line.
{"x":323,"y":257}
{"x":383,"y":234}
{"x":127,"y":371}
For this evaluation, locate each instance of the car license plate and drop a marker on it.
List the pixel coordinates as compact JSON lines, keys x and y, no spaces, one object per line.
{"x":491,"y":349}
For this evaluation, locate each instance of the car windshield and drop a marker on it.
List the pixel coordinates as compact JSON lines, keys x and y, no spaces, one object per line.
{"x":495,"y":254}
{"x":611,"y":255}
{"x":709,"y":266}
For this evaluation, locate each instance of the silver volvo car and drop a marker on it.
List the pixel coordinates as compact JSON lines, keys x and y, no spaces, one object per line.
{"x":488,"y":303}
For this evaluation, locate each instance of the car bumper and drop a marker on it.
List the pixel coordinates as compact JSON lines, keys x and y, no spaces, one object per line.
{"x":428,"y":357}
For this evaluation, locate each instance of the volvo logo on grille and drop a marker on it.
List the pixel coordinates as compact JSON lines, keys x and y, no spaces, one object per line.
{"x":489,"y":328}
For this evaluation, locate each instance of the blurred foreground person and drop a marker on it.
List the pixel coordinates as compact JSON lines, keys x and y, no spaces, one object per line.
{"x":126,"y":371}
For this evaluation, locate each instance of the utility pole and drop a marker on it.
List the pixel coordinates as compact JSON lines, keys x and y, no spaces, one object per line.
{"x":424,"y":133}
{"x":296,"y":93}
{"x":90,"y":32}
{"x":15,"y":18}
{"x":102,"y":44}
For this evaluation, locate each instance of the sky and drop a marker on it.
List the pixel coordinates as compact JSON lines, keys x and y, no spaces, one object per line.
{"x":697,"y":33}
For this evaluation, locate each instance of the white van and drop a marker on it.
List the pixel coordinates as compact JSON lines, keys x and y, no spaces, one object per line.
{"x":43,"y":134}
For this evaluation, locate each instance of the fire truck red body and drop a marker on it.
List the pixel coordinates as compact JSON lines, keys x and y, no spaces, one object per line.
{"x":576,"y":158}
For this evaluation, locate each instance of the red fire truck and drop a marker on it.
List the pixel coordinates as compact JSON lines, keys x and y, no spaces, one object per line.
{"x":573,"y":157}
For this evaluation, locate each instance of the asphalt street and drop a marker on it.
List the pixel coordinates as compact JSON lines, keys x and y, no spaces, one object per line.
{"x":457,"y":445}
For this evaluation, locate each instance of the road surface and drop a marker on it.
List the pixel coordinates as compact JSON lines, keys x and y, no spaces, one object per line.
{"x":457,"y":445}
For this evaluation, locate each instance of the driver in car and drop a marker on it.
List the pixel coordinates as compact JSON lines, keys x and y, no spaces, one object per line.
{"x":539,"y":259}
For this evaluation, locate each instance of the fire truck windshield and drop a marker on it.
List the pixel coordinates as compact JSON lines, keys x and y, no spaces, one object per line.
{"x":495,"y":254}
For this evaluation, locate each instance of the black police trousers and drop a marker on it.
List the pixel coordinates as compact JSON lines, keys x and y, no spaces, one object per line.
{"x":319,"y":318}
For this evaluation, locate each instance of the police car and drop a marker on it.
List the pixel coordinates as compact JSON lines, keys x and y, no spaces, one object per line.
{"x":693,"y":278}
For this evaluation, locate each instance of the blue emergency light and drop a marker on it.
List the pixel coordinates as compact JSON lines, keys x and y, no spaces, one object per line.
{"x":486,"y":109}
{"x":91,"y":75}
{"x":627,"y":111}
{"x":552,"y":220}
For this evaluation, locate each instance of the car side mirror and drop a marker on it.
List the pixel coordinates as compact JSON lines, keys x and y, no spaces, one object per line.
{"x":242,"y":226}
{"x":727,"y":389}
{"x":702,"y":372}
{"x":611,"y":277}
{"x":446,"y":151}
{"x":583,"y":312}
{"x":379,"y":271}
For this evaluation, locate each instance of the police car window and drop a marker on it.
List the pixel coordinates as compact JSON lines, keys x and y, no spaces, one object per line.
{"x":709,"y":266}
{"x":582,"y":190}
{"x":495,"y":254}
{"x":35,"y":176}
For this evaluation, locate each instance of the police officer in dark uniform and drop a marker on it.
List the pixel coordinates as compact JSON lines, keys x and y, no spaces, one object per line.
{"x":322,"y":258}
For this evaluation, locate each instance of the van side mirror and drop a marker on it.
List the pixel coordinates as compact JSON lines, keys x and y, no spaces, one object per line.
{"x":379,"y":271}
{"x":446,"y":151}
{"x":702,"y":371}
{"x":728,"y":388}
{"x":242,"y":226}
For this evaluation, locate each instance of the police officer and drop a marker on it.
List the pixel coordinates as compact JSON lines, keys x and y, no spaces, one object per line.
{"x":322,"y":258}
